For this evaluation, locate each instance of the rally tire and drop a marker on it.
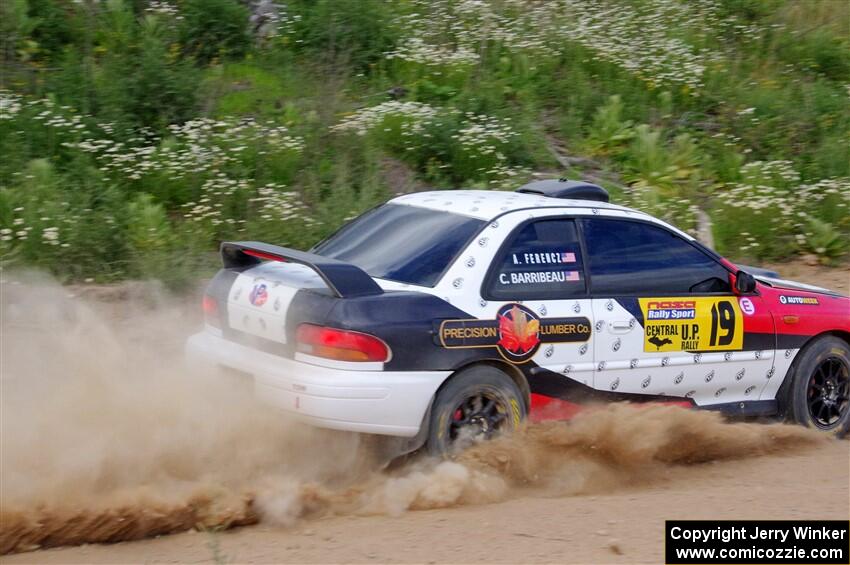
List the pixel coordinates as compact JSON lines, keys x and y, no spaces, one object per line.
{"x":818,"y":386}
{"x":477,"y":403}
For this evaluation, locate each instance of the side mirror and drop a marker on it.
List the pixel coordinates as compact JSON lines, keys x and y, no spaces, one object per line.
{"x":745,"y":283}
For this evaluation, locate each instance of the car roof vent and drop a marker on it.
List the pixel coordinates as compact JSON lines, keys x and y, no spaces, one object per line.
{"x":564,"y":188}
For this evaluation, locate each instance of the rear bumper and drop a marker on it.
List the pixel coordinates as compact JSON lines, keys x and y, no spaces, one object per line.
{"x":377,"y":402}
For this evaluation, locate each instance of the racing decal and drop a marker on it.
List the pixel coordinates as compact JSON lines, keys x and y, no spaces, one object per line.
{"x":259,"y":294}
{"x":538,"y":277}
{"x":517,"y":332}
{"x":543,"y":258}
{"x":799,"y":300}
{"x":747,"y":306}
{"x":692,"y":324}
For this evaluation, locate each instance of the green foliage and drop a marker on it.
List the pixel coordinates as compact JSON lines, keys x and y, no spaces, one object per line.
{"x":214,"y":29}
{"x":149,"y":236}
{"x":134,"y":132}
{"x":241,"y":89}
{"x":16,"y":28}
{"x":143,"y":83}
{"x":609,"y":131}
{"x":354,"y":33}
{"x":819,"y":52}
{"x":749,"y":10}
{"x":825,"y":241}
{"x":667,"y":166}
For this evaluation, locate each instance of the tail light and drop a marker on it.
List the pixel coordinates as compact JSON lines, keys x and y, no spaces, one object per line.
{"x":341,"y":345}
{"x":212,"y":315}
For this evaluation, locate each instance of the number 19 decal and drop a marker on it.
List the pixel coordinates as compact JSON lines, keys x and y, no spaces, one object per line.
{"x":723,"y":315}
{"x":692,"y":324}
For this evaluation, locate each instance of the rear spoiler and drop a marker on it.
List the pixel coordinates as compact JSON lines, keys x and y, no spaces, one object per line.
{"x":344,"y":279}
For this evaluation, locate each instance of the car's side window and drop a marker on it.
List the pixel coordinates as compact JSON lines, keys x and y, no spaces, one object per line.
{"x":541,"y":259}
{"x":627,"y":258}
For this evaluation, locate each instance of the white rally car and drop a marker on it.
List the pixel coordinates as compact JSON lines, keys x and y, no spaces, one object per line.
{"x":455,"y":314}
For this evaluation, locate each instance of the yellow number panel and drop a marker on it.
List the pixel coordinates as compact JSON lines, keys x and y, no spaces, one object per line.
{"x":692,"y":324}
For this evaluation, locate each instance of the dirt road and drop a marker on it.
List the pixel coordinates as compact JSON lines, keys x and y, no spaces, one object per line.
{"x":107,"y":438}
{"x":620,"y":527}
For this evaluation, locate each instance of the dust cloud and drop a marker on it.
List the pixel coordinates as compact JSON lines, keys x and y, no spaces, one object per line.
{"x":107,"y":437}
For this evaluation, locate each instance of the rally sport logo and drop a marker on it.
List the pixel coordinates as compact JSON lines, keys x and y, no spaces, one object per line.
{"x":517,"y":332}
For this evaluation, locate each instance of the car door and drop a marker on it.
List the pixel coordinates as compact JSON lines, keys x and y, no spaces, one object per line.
{"x":537,"y":282}
{"x":667,"y":320}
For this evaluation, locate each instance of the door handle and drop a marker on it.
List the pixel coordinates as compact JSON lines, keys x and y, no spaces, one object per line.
{"x":621,"y":326}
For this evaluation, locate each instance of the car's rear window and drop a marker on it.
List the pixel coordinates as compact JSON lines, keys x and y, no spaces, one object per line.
{"x":402,"y":243}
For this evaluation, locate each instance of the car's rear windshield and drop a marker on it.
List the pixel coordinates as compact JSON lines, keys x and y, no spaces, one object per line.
{"x":402,"y":243}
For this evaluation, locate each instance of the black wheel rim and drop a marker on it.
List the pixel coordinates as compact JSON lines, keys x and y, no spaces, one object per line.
{"x":828,"y":393}
{"x":477,"y":417}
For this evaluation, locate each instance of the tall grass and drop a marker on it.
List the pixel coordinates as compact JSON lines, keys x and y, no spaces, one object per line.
{"x":135,"y":135}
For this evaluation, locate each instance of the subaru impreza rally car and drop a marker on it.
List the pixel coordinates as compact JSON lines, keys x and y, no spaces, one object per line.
{"x":443,"y":316}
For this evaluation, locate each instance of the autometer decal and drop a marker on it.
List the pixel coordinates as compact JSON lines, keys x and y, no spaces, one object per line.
{"x":799,"y":300}
{"x":692,"y":324}
{"x":517,"y":332}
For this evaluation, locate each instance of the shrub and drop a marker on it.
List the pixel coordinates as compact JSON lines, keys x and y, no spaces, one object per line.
{"x":214,"y":29}
{"x":355,"y":33}
{"x":149,"y":237}
{"x":825,"y":241}
{"x":609,"y":131}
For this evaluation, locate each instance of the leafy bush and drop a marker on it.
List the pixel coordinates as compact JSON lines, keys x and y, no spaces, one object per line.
{"x":609,"y":131}
{"x":149,"y":237}
{"x":49,"y":24}
{"x":145,"y":84}
{"x":356,"y":33}
{"x":825,"y":241}
{"x":214,"y":29}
